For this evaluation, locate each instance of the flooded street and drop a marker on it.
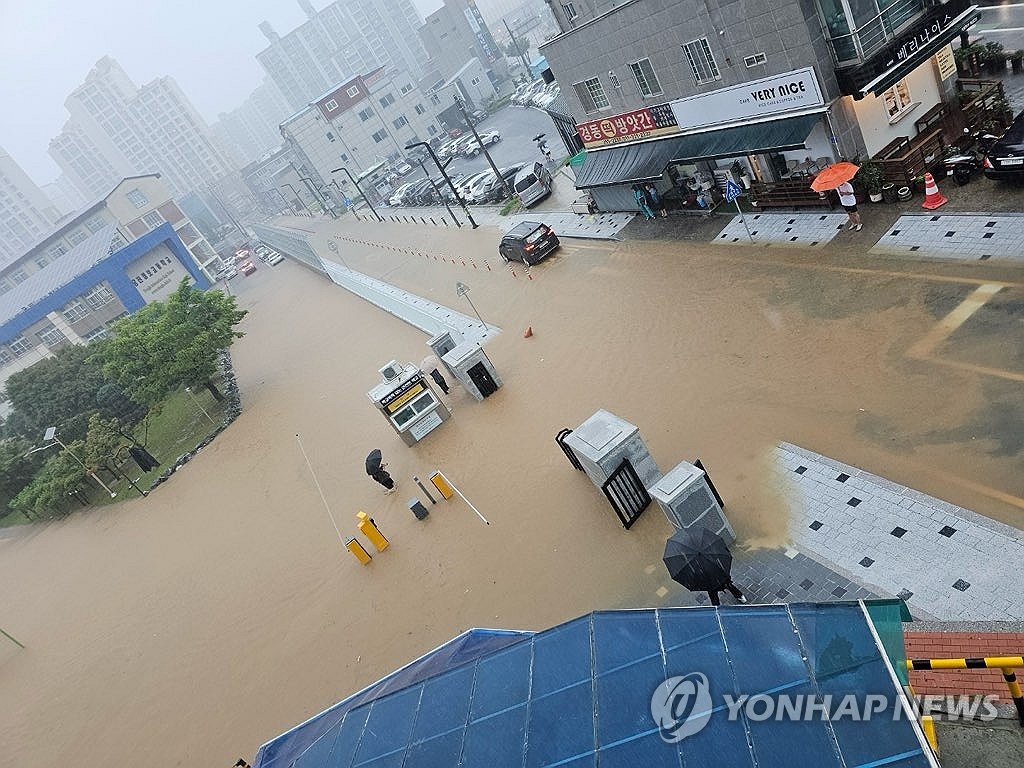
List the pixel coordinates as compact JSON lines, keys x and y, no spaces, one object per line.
{"x":187,"y":628}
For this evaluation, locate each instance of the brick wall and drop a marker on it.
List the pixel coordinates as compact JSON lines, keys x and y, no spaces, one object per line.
{"x":959,"y":645}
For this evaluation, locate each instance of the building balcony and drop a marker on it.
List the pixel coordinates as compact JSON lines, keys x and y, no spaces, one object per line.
{"x":858,"y":29}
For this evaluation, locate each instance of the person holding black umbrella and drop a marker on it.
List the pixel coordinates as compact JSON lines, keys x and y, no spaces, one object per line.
{"x":700,"y":560}
{"x":377,"y":469}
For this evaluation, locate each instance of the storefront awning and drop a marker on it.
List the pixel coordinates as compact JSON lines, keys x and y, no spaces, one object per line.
{"x":646,"y":162}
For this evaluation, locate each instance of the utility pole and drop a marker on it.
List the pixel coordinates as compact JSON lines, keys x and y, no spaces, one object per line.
{"x":497,"y":173}
{"x":440,"y":167}
{"x":515,"y":44}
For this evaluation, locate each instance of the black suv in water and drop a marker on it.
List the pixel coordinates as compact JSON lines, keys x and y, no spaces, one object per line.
{"x":1005,"y":159}
{"x":528,"y":242}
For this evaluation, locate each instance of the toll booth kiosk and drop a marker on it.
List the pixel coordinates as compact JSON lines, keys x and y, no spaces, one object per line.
{"x":406,"y":399}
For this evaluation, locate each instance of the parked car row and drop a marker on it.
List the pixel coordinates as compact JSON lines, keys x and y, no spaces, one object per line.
{"x":475,"y":189}
{"x":536,"y":94}
{"x":467,"y":145}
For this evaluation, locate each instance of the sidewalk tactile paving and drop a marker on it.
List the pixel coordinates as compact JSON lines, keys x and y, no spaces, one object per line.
{"x":945,"y":561}
{"x":965,"y":236}
{"x":801,"y":229}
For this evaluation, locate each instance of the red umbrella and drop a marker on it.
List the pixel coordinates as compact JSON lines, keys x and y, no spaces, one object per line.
{"x":833,"y":175}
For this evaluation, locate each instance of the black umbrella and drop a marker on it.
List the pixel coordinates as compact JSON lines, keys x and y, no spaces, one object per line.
{"x":698,"y":559}
{"x":373,"y":462}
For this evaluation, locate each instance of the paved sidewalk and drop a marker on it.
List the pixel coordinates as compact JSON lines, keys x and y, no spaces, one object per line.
{"x":602,"y":226}
{"x":941,"y":559}
{"x":793,"y":229}
{"x":966,"y":236}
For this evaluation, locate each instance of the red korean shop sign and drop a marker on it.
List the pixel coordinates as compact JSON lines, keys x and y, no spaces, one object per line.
{"x":630,"y":126}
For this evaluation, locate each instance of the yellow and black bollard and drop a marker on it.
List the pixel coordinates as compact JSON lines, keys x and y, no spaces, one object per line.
{"x":370,"y":530}
{"x":358,"y":550}
{"x":443,"y":486}
{"x":1004,"y":663}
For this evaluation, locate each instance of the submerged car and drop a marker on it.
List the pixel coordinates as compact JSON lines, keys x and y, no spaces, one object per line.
{"x":1005,"y":159}
{"x":528,"y":242}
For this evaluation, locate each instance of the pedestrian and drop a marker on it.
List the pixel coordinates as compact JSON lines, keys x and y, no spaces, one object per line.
{"x":384,"y":478}
{"x":848,"y":200}
{"x":655,"y":201}
{"x":641,"y":200}
{"x":733,"y":590}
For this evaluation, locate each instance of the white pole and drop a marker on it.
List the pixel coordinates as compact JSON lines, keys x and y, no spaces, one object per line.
{"x":88,"y":471}
{"x":199,"y":405}
{"x":467,"y":501}
{"x":736,"y":202}
{"x":320,"y":490}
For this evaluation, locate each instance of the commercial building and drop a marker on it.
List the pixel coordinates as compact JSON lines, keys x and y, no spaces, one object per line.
{"x":134,"y":207}
{"x":674,"y":91}
{"x":346,"y":38}
{"x":25,"y":212}
{"x":75,"y":298}
{"x":118,"y":129}
{"x":455,"y":33}
{"x":358,"y":124}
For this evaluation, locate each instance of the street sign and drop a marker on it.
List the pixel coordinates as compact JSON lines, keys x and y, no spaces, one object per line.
{"x":348,"y":202}
{"x":461,"y":289}
{"x":732,"y":190}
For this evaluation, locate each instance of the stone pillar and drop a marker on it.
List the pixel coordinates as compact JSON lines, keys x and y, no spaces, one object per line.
{"x":687,"y":501}
{"x":603,"y":441}
{"x":470,"y":365}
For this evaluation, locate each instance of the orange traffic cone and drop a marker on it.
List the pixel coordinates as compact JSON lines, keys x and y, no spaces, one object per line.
{"x":932,"y":197}
{"x":528,"y":332}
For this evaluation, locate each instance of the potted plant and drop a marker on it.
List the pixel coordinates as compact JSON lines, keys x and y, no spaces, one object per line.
{"x":995,"y":58}
{"x":871,"y":177}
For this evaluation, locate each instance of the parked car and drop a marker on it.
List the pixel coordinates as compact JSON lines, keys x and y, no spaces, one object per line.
{"x":477,"y":116}
{"x":402,"y":168}
{"x":533,"y":184}
{"x":247,"y":268}
{"x":467,"y":184}
{"x":489,"y":138}
{"x":493,"y":190}
{"x":427,"y":195}
{"x":1004,"y":160}
{"x":226,"y":274}
{"x":396,"y":196}
{"x":242,"y":254}
{"x":474,"y":195}
{"x":528,"y":242}
{"x":546,"y":96}
{"x":446,"y":150}
{"x":269,"y":256}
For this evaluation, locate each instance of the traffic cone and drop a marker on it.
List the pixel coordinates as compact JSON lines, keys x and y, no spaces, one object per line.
{"x":932,"y":197}
{"x":528,"y":332}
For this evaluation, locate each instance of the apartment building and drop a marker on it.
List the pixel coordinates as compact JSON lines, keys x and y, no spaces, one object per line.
{"x":25,"y":212}
{"x":250,"y":130}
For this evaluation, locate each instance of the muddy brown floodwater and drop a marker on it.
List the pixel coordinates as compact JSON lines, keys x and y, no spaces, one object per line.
{"x":187,"y":628}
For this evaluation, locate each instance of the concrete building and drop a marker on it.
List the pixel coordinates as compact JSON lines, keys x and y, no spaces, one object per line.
{"x":346,"y":38}
{"x":471,"y":84}
{"x":118,"y":129}
{"x":250,"y":130}
{"x":456,"y":32}
{"x":262,"y":177}
{"x":64,"y":195}
{"x":134,"y":207}
{"x":664,"y":89}
{"x":76,"y":298}
{"x":358,"y":124}
{"x":25,"y":212}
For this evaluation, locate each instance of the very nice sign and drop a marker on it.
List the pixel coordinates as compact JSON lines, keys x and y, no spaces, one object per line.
{"x":768,"y":96}
{"x":758,"y":98}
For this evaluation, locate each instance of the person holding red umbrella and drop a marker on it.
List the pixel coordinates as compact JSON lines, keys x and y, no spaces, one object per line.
{"x":838,"y":176}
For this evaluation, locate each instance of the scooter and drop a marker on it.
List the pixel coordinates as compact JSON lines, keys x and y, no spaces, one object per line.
{"x":963,"y":165}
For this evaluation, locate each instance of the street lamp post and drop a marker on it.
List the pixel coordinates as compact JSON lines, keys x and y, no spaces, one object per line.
{"x":51,"y":434}
{"x":497,"y":173}
{"x":438,"y":191}
{"x":461,"y":289}
{"x":342,"y":197}
{"x":458,"y":197}
{"x":359,"y":190}
{"x":297,"y":197}
{"x":199,"y":405}
{"x":318,"y":194}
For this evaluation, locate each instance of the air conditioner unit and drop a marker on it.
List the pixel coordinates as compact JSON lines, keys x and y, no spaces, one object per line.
{"x":391,"y":371}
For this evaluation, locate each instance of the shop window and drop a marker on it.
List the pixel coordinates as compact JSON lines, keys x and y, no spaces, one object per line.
{"x":591,"y":95}
{"x":646,"y":80}
{"x":897,"y":101}
{"x":702,"y":61}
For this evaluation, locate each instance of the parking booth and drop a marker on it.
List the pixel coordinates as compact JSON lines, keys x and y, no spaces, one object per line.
{"x":406,"y":399}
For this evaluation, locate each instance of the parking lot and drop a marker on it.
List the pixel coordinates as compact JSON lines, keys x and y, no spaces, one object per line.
{"x":517,"y":127}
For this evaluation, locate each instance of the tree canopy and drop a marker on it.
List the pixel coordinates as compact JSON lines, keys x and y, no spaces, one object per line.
{"x":171,"y":344}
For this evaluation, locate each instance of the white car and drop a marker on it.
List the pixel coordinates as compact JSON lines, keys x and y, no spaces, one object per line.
{"x":491,"y":137}
{"x":402,"y":168}
{"x":479,"y":188}
{"x":396,"y":196}
{"x":467,"y":185}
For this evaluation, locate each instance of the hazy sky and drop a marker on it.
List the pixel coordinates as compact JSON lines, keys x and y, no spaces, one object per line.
{"x":49,"y":46}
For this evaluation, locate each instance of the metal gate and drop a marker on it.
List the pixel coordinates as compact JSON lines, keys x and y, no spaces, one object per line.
{"x":560,"y":439}
{"x":626,"y":494}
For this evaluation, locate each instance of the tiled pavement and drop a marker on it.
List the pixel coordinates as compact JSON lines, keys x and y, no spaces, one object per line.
{"x":793,"y":229}
{"x":956,"y":236}
{"x":945,"y":561}
{"x":602,"y":226}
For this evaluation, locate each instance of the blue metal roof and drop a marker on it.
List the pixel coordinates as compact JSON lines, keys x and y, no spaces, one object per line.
{"x":580,"y":694}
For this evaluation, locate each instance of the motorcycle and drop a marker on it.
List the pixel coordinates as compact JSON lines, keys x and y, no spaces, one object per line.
{"x":963,"y":165}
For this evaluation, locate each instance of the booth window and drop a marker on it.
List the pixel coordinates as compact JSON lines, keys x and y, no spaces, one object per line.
{"x":591,"y":95}
{"x":422,"y":403}
{"x":897,"y":101}
{"x":646,"y":80}
{"x":570,"y":11}
{"x":702,"y":61}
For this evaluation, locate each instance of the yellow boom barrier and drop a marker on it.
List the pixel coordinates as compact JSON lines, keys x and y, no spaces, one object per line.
{"x":1006,"y":664}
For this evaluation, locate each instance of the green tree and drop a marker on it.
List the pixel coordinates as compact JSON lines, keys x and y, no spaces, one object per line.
{"x":51,"y":490}
{"x":57,"y":392}
{"x":16,"y":470}
{"x":102,"y":442}
{"x":167,"y":345}
{"x":518,"y":47}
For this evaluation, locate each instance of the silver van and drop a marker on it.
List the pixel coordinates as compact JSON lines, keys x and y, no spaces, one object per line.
{"x":532,"y":184}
